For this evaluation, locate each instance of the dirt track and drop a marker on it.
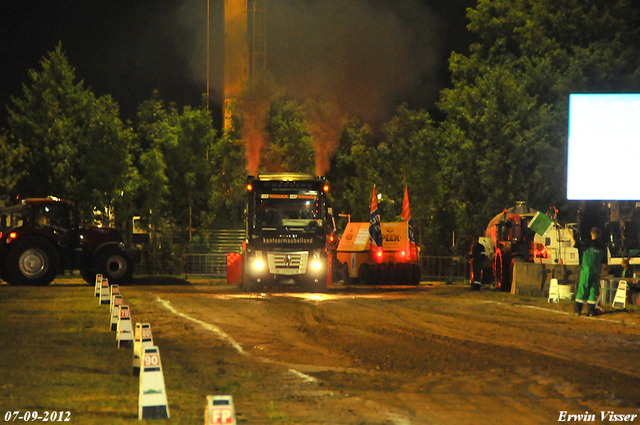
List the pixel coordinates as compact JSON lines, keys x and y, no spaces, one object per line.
{"x":436,"y":354}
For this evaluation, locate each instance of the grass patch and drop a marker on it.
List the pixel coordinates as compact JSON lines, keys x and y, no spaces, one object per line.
{"x":58,"y":353}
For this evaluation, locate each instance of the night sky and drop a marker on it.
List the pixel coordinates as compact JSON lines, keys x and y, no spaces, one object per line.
{"x":366,"y":55}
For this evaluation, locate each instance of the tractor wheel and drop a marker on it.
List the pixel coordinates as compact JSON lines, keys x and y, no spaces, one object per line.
{"x":88,"y":275}
{"x":383,"y":270}
{"x":392,"y":274}
{"x":502,"y":270}
{"x":114,"y":264}
{"x":364,"y":274}
{"x":346,"y":279}
{"x":33,"y":261}
{"x":376,"y":274}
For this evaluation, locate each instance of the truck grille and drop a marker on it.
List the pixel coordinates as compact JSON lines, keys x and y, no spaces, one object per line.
{"x":287,"y":263}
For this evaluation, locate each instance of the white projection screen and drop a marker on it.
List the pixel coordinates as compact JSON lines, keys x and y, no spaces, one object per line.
{"x":603,"y":159}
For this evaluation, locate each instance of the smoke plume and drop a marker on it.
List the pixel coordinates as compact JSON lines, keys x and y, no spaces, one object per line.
{"x":324,"y":122}
{"x":366,"y":56}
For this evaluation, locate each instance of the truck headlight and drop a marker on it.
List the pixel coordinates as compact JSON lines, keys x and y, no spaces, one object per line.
{"x":316,"y":264}
{"x":316,"y":261}
{"x":258,"y":264}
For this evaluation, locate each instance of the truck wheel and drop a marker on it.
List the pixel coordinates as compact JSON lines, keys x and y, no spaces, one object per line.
{"x":364,"y":274}
{"x":402,"y":274}
{"x":310,"y":285}
{"x":346,"y":279}
{"x":114,"y":264}
{"x":250,"y":285}
{"x":385,"y":276}
{"x":416,"y":275}
{"x":34,"y":261}
{"x":392,"y":277}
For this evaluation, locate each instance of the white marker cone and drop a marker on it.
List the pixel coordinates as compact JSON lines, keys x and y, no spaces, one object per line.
{"x":219,"y":410}
{"x":142,"y":338}
{"x":124,"y":331}
{"x":105,"y":292}
{"x":98,"y":284}
{"x":554,"y":295}
{"x":152,"y":397}
{"x":620,"y":300}
{"x":114,"y":289}
{"x":116,"y":302}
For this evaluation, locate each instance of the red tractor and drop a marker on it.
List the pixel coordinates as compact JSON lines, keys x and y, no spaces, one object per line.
{"x":40,"y":239}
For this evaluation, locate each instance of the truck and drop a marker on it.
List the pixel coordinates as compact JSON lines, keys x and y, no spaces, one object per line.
{"x":42,"y":237}
{"x":523,"y":234}
{"x":290,"y":232}
{"x":396,"y":263}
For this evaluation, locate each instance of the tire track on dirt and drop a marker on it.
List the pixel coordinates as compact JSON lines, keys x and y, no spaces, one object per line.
{"x":395,"y":418}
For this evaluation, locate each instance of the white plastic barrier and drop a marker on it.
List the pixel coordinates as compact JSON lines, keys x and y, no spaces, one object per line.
{"x":219,"y":410}
{"x":620,"y":300}
{"x":152,"y":398}
{"x":116,"y":302}
{"x":98,"y":284}
{"x":124,"y":331}
{"x":105,"y":293}
{"x":114,"y":289}
{"x":142,"y":338}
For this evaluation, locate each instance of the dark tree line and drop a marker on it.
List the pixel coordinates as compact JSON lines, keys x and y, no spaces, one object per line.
{"x":502,"y":136}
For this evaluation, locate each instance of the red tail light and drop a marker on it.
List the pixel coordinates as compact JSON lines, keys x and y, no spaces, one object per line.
{"x":540,"y":251}
{"x":378,"y":255}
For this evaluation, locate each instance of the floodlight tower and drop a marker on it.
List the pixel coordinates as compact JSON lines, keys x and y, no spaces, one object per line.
{"x":245,"y":47}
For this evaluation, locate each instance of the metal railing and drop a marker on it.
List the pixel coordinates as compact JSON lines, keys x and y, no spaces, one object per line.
{"x":454,"y":269}
{"x":212,"y":265}
{"x":210,"y":259}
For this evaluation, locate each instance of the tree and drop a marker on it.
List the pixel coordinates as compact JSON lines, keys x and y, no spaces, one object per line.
{"x":155,"y":129}
{"x":289,"y":145}
{"x":189,"y":167}
{"x":227,"y":186}
{"x":353,"y":171}
{"x":506,"y":114}
{"x":10,"y":168}
{"x":410,"y":155}
{"x":67,"y":142}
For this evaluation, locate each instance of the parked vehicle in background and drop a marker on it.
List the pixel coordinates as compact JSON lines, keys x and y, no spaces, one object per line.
{"x":397,"y":263}
{"x":41,"y":238}
{"x":523,"y":234}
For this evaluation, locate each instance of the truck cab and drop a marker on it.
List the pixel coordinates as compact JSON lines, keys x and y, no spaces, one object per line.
{"x":289,"y":232}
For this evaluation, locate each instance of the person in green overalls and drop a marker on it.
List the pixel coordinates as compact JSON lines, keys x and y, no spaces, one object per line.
{"x":594,"y":256}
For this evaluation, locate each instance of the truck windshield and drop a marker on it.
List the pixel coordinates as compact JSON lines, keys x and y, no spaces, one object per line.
{"x":289,"y":210}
